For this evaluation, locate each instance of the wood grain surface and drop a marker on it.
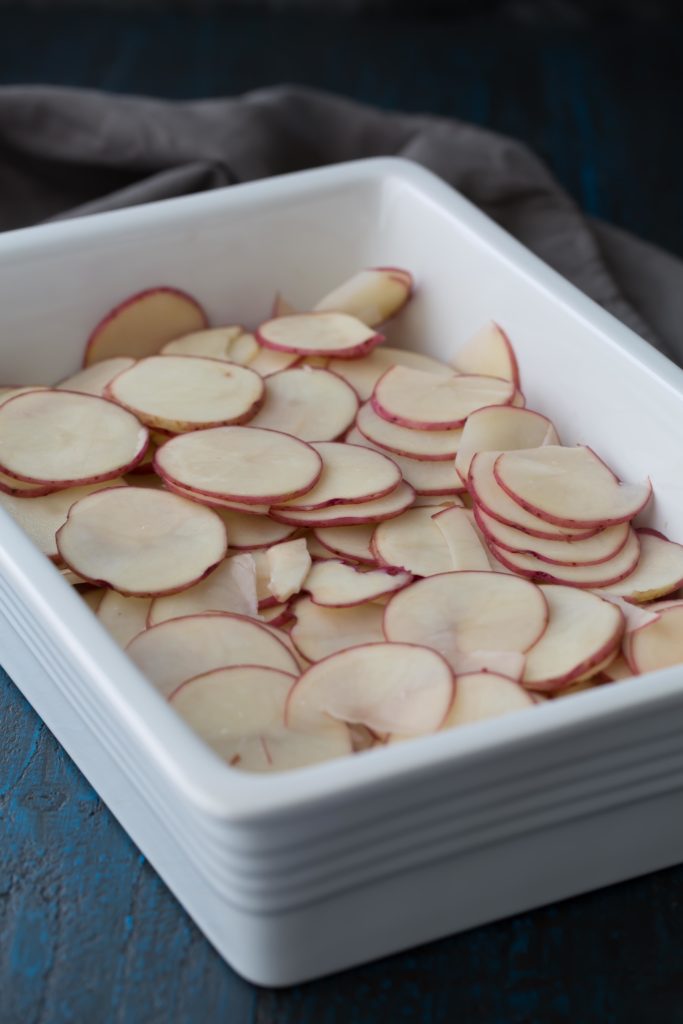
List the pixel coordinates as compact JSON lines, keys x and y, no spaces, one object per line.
{"x":88,"y":933}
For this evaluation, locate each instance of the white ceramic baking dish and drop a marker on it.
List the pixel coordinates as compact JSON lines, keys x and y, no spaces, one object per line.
{"x":304,"y":873}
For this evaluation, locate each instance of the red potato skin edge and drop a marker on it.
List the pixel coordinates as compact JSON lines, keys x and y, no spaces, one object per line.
{"x":552,"y":685}
{"x":202,"y":675}
{"x":212,"y":502}
{"x":542,"y":534}
{"x":562,"y":520}
{"x":347,"y":501}
{"x":343,"y":554}
{"x":361,"y":349}
{"x":118,"y":309}
{"x":402,"y":421}
{"x":378,"y":643}
{"x":405,"y":279}
{"x":406,"y":455}
{"x":522,"y":409}
{"x":280,"y":516}
{"x":268,"y":627}
{"x":479,"y":572}
{"x":491,"y":540}
{"x":542,"y":576}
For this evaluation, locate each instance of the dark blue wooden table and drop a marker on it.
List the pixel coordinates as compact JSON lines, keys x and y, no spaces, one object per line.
{"x":88,"y":933}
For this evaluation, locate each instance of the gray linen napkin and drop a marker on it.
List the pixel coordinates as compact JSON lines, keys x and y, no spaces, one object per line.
{"x":65,"y":152}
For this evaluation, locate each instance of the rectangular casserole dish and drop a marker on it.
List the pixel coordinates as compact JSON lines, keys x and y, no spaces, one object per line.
{"x":296,"y":875}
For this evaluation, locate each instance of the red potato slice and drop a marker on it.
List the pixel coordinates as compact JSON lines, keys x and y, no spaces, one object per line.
{"x":350,"y":474}
{"x":241,"y":464}
{"x":659,"y":644}
{"x":659,"y":571}
{"x":239,"y":712}
{"x":319,"y":552}
{"x":325,"y":334}
{"x":481,"y":695}
{"x":427,"y":478}
{"x":231,"y":344}
{"x":600,"y":547}
{"x":18,"y":489}
{"x":143,"y":323}
{"x":248,"y":531}
{"x":319,"y":632}
{"x":463,"y":612}
{"x":635,"y":615}
{"x":181,"y":393}
{"x":268,"y":361}
{"x":363,"y":374}
{"x":231,"y":587}
{"x":177,"y":650}
{"x":95,"y":379}
{"x":414,"y":543}
{"x":353,"y":514}
{"x":488,"y":352}
{"x":583,"y":630}
{"x":8,"y":393}
{"x":489,"y":496}
{"x":336,"y":584}
{"x":140,"y":542}
{"x":604,"y":574}
{"x":372,"y":296}
{"x":123,"y":617}
{"x":311,"y":404}
{"x":569,"y":486}
{"x":618,"y":669}
{"x":505,"y":663}
{"x":67,"y":439}
{"x":348,"y":541}
{"x":465,"y":548}
{"x":289,"y":565}
{"x":386,"y":687}
{"x":40,"y":518}
{"x":502,"y":428}
{"x":211,"y":501}
{"x":425,"y":401}
{"x":426,"y":445}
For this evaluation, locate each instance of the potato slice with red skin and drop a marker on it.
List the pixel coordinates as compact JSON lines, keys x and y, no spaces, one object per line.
{"x":659,"y":571}
{"x":8,"y":393}
{"x":427,"y":477}
{"x":357,"y":513}
{"x":425,"y":401}
{"x":141,"y":542}
{"x":240,"y":464}
{"x":123,"y":617}
{"x":325,"y":334}
{"x":604,"y":574}
{"x":214,"y":502}
{"x":143,"y":323}
{"x":268,"y":361}
{"x":459,"y":612}
{"x":230,"y":587}
{"x":462,"y":539}
{"x":659,"y":643}
{"x":335,"y":584}
{"x":502,"y":428}
{"x":426,"y":445}
{"x":481,"y":695}
{"x":372,"y":296}
{"x":181,"y":393}
{"x":41,"y":517}
{"x":488,"y":494}
{"x":488,"y":352}
{"x":569,"y":486}
{"x":350,"y":474}
{"x":363,"y":374}
{"x":314,"y":405}
{"x":348,"y":541}
{"x":319,"y":632}
{"x":177,"y":650}
{"x":67,"y":439}
{"x":247,"y":531}
{"x":239,"y":712}
{"x":396,"y":687}
{"x":94,"y":379}
{"x":277,"y":614}
{"x":230,"y":343}
{"x":583,"y":631}
{"x":600,"y":547}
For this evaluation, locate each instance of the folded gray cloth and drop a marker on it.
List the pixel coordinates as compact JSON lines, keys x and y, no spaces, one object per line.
{"x":65,"y":152}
